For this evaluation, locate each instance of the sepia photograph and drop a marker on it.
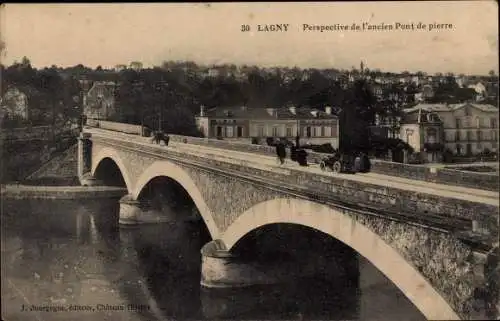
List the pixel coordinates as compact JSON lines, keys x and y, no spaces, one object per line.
{"x":333,"y":160}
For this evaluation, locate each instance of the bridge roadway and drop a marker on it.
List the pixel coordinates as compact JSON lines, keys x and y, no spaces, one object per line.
{"x":270,"y":163}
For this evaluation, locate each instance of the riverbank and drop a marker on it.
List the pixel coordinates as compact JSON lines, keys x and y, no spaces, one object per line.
{"x":18,"y":191}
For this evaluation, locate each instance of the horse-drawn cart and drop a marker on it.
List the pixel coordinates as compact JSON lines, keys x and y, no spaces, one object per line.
{"x":338,"y":163}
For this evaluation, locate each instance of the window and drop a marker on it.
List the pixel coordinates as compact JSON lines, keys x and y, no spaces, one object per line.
{"x":316,"y":131}
{"x":457,"y":136}
{"x":289,"y":131}
{"x":479,"y":135}
{"x":478,"y":122}
{"x":479,"y":146}
{"x":494,"y":135}
{"x":229,"y":131}
{"x":459,"y":149}
{"x":493,"y":123}
{"x":327,"y":131}
{"x":275,"y":131}
{"x":308,"y":131}
{"x":467,"y":122}
{"x":469,"y":135}
{"x":458,"y":122}
{"x":431,"y":135}
{"x":261,"y":132}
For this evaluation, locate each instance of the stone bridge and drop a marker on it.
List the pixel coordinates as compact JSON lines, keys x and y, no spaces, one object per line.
{"x":437,"y":243}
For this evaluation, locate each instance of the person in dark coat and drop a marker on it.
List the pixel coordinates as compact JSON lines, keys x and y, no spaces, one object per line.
{"x":277,"y":148}
{"x":156,"y":137}
{"x":293,"y":153}
{"x":166,"y":140}
{"x":302,"y":157}
{"x":366,"y":162}
{"x":281,"y":152}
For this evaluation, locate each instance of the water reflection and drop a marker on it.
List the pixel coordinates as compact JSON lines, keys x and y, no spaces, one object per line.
{"x":69,"y":253}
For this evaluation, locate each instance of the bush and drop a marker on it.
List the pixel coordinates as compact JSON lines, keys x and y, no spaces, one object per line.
{"x":448,"y":156}
{"x":433,"y":147}
{"x":416,"y":158}
{"x":486,"y":152}
{"x":383,"y":145}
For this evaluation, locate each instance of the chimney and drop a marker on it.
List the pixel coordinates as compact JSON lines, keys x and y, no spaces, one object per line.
{"x":202,"y":111}
{"x":292,"y":109}
{"x":328,"y":110}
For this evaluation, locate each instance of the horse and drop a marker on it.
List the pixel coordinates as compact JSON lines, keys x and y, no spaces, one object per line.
{"x":158,"y":137}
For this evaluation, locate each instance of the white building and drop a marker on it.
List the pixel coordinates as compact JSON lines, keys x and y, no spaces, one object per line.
{"x":464,"y":129}
{"x":242,"y":123}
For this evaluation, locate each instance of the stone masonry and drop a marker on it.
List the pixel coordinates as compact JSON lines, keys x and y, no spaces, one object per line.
{"x":433,"y":234}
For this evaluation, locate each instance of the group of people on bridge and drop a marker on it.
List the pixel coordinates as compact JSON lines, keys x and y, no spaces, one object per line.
{"x":297,"y":154}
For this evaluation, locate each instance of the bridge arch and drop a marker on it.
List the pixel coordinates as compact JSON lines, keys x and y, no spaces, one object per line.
{"x":115,"y":157}
{"x":352,"y":233}
{"x":170,"y":170}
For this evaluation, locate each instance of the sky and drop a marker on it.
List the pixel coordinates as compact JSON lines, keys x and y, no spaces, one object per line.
{"x":111,"y":34}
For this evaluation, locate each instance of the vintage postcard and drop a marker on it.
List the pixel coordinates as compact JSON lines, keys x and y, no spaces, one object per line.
{"x":250,"y":161}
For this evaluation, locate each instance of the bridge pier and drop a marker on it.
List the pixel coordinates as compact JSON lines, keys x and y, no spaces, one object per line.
{"x":84,"y":154}
{"x":223,"y":269}
{"x":133,"y":212}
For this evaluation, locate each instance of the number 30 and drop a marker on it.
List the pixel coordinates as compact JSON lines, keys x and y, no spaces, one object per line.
{"x":245,"y":28}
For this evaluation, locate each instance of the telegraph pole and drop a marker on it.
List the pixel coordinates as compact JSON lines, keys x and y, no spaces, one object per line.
{"x":161,"y":106}
{"x":162,"y":87}
{"x":137,"y":85}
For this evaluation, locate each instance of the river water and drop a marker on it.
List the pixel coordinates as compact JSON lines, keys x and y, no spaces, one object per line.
{"x":69,"y":260}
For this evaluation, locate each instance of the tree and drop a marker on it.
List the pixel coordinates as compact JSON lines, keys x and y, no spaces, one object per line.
{"x":137,"y":65}
{"x":25,"y":62}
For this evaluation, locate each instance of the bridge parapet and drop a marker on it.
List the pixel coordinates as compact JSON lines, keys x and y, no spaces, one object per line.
{"x":436,"y":175}
{"x":425,"y":208}
{"x":486,"y":181}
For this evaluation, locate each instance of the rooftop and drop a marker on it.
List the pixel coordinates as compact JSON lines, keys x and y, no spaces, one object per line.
{"x":241,"y":112}
{"x":450,"y":107}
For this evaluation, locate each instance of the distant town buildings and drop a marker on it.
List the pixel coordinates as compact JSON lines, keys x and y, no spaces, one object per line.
{"x":14,"y":103}
{"x":242,"y":123}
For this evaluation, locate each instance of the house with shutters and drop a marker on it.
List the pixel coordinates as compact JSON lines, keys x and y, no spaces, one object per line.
{"x":246,"y":124}
{"x":463,"y":129}
{"x":99,"y":100}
